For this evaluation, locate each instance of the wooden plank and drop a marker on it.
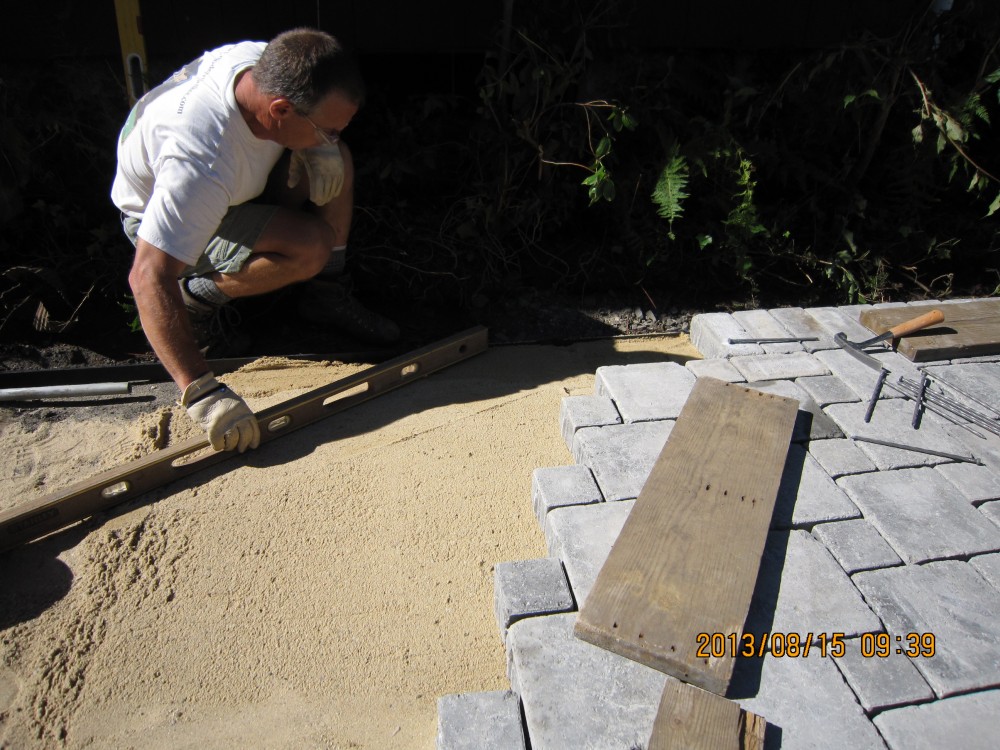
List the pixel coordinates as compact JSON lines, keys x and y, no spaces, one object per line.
{"x":686,"y":560}
{"x":690,"y":718}
{"x":970,"y":329}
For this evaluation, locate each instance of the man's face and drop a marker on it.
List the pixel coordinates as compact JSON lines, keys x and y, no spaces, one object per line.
{"x":320,"y":127}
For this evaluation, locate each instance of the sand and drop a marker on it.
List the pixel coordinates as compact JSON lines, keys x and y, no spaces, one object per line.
{"x":321,"y":592}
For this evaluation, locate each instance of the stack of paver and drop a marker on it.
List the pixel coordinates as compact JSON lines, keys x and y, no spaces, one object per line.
{"x":886,"y":561}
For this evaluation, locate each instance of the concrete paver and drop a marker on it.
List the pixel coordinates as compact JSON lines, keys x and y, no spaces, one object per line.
{"x":856,"y":545}
{"x":881,"y":681}
{"x":779,"y":366}
{"x":710,"y":334}
{"x":976,"y":483}
{"x":480,"y":721}
{"x":761,"y":324}
{"x":577,"y":695}
{"x":558,"y":486}
{"x":827,"y":389}
{"x":920,"y":515}
{"x":720,"y":369}
{"x":966,"y":721}
{"x":840,"y":457}
{"x":646,"y":392}
{"x":811,"y":423}
{"x":798,"y":322}
{"x":947,"y":602}
{"x":988,"y":566}
{"x":529,"y":588}
{"x":621,"y":456}
{"x":807,"y":495}
{"x":585,"y":411}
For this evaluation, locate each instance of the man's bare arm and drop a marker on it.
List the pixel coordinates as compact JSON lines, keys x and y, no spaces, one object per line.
{"x":161,"y":310}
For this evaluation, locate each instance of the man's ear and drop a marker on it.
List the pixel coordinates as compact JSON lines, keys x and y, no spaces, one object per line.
{"x":280,"y":108}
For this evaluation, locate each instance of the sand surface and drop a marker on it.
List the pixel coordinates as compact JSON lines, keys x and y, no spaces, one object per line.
{"x":321,"y":592}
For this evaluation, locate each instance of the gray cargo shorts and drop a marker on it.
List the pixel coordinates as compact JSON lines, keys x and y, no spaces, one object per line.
{"x":232,"y":244}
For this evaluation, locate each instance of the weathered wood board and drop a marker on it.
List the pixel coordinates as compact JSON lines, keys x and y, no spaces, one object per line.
{"x":970,"y":329}
{"x":686,"y":560}
{"x":690,"y":718}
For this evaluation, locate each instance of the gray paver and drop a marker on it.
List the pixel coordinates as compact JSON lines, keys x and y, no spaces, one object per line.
{"x":980,"y":380}
{"x":779,"y":366}
{"x":646,"y":392}
{"x":882,"y":682}
{"x":801,"y":589}
{"x":576,"y":695}
{"x":720,"y":369}
{"x":988,"y":566}
{"x":710,"y":334}
{"x":585,"y":411}
{"x":529,"y":588}
{"x":856,"y":375}
{"x":991,"y":511}
{"x":558,"y":486}
{"x":835,"y":320}
{"x":953,"y":602}
{"x":966,"y":721}
{"x":761,"y":324}
{"x":811,"y":423}
{"x":856,"y":545}
{"x":807,"y":700}
{"x":480,"y":721}
{"x":621,"y":456}
{"x":827,"y":389}
{"x":840,"y":457}
{"x":799,"y":323}
{"x":807,"y":495}
{"x":893,"y":422}
{"x":582,"y":537}
{"x":921,"y":515}
{"x":976,"y":483}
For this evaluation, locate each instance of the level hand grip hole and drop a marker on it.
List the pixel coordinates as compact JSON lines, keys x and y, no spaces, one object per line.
{"x":410,"y":369}
{"x":355,"y":391}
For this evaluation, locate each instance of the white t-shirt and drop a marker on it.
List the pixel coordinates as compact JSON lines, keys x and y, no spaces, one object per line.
{"x":186,"y":155}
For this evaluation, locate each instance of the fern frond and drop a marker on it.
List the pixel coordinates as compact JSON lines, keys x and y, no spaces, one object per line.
{"x":671,"y":188}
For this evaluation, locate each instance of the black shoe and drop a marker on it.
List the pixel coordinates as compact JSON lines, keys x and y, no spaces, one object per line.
{"x":329,"y":302}
{"x":216,"y":328}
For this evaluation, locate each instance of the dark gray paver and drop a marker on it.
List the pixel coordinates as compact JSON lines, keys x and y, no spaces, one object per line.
{"x":761,"y":324}
{"x":881,"y":682}
{"x":621,"y":456}
{"x":920,"y":514}
{"x":802,"y":589}
{"x":988,"y":566}
{"x":811,"y":423}
{"x":582,"y":537}
{"x":720,"y":369}
{"x":827,"y":389}
{"x":950,"y":600}
{"x":558,"y":486}
{"x":585,"y":411}
{"x":806,"y":702}
{"x":577,"y":695}
{"x":779,"y":366}
{"x":892,"y":422}
{"x":529,"y":588}
{"x":968,"y":722}
{"x":807,"y":495}
{"x":976,"y":483}
{"x":646,"y":392}
{"x":710,"y":334}
{"x":480,"y":721}
{"x":856,"y":545}
{"x":840,"y":457}
{"x":980,"y":380}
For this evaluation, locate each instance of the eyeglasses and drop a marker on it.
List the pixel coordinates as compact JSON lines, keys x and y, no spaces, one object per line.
{"x":329,"y":137}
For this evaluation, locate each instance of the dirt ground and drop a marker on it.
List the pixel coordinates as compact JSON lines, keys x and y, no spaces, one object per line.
{"x":322,"y":591}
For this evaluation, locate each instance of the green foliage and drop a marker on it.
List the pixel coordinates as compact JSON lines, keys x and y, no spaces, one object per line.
{"x":669,"y":194}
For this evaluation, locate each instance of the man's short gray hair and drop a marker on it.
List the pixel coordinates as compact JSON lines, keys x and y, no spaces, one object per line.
{"x":304,"y":65}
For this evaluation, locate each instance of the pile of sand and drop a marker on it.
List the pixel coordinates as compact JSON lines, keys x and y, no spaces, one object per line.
{"x":322,"y":591}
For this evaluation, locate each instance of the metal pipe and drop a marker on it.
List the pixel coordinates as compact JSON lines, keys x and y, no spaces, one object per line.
{"x":62,"y":391}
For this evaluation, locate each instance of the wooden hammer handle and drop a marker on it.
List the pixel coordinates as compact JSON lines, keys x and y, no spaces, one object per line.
{"x":917,"y":324}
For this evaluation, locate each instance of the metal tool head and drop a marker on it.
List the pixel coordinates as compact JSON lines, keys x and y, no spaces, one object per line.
{"x":840,"y":339}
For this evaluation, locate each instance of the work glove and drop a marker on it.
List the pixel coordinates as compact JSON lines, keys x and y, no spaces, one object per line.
{"x":325,"y":167}
{"x":221,"y":413}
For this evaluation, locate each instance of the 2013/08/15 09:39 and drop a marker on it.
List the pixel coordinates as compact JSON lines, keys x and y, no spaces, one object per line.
{"x":873,"y":645}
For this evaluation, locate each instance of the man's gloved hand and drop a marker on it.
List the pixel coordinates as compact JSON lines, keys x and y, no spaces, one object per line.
{"x":325,"y":167}
{"x":221,"y":413}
